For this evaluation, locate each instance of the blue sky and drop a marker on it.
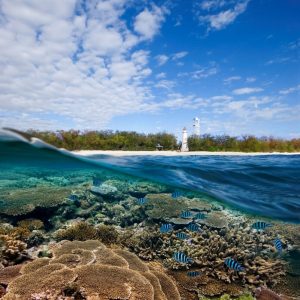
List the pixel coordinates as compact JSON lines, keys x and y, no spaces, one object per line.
{"x":151,"y":66}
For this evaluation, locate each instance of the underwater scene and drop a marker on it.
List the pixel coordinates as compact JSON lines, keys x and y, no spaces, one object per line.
{"x":103,"y":227}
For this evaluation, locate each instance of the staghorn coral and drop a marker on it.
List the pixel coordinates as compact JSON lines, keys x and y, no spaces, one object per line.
{"x":31,"y":224}
{"x":90,"y":279}
{"x":23,"y":201}
{"x":107,"y":234}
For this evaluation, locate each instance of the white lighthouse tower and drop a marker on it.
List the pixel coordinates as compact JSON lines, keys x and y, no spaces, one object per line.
{"x":184,"y":145}
{"x":196,"y":126}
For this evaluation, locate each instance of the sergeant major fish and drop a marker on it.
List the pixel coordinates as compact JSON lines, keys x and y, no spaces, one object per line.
{"x":232,"y":264}
{"x":164,"y":228}
{"x":278,"y":245}
{"x":260,"y":225}
{"x":186,"y":215}
{"x":182,"y":258}
{"x":193,"y":273}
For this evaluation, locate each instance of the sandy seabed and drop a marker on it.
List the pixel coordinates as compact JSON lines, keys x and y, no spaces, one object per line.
{"x":174,"y":153}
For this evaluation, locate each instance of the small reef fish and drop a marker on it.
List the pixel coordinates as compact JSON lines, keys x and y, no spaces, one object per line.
{"x":142,"y":201}
{"x":182,"y":236}
{"x":193,"y":273}
{"x":176,"y":194}
{"x":73,"y":197}
{"x":200,"y":216}
{"x":164,"y":228}
{"x":232,"y":264}
{"x":278,"y":245}
{"x":193,"y":227}
{"x":182,"y":258}
{"x":97,"y":181}
{"x":186,"y":215}
{"x":260,"y":225}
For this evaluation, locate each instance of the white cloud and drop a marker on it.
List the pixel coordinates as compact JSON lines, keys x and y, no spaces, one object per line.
{"x":222,"y":19}
{"x":221,"y":97}
{"x":161,"y":75}
{"x":148,"y":22}
{"x":229,"y":80}
{"x":247,"y":90}
{"x":290,"y":90}
{"x":200,"y":73}
{"x":165,"y":84}
{"x":59,"y":70}
{"x":250,"y":79}
{"x":161,"y":59}
{"x":179,"y":55}
{"x":212,"y":4}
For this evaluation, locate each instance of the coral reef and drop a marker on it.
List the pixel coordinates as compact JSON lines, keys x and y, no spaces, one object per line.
{"x":24,"y":201}
{"x":90,"y":278}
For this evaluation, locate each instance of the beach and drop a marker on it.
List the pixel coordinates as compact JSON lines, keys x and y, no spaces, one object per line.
{"x":175,"y":153}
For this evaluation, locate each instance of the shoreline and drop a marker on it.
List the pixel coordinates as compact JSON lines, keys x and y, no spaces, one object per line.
{"x":176,"y":153}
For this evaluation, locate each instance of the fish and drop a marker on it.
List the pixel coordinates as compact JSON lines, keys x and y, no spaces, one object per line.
{"x":260,"y":225}
{"x":164,"y":228}
{"x":186,"y":215}
{"x":73,"y":197}
{"x":142,"y":201}
{"x":232,"y":264}
{"x":200,"y":216}
{"x":278,"y":245}
{"x":176,"y":194}
{"x":182,"y":258}
{"x":193,"y":273}
{"x":182,"y":235}
{"x":96,"y":181}
{"x":193,"y":227}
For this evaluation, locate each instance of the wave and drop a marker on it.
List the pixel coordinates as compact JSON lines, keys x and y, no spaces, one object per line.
{"x":263,"y":185}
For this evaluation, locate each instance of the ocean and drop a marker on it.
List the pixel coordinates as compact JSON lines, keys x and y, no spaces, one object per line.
{"x":255,"y":199}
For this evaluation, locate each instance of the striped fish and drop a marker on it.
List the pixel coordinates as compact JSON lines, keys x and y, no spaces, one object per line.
{"x":73,"y":197}
{"x":164,"y":228}
{"x":176,"y":194}
{"x":182,"y":235}
{"x":232,"y":264}
{"x":96,"y":182}
{"x":200,"y":216}
{"x":186,"y":215}
{"x":142,"y":201}
{"x":260,"y":225}
{"x":182,"y":258}
{"x":278,"y":245}
{"x":193,"y":273}
{"x":193,"y":227}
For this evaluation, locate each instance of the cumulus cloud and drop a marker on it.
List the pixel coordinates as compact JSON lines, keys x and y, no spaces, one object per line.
{"x":247,"y":90}
{"x":161,"y":59}
{"x":222,"y":19}
{"x":179,"y":55}
{"x":148,"y":22}
{"x":63,"y":66}
{"x":290,"y":90}
{"x":229,"y":80}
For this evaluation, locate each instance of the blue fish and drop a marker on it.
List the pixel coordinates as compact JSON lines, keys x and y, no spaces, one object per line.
{"x":97,"y":181}
{"x":193,"y":227}
{"x":176,"y":194}
{"x":260,"y":225}
{"x":232,"y":264}
{"x":200,"y":216}
{"x":193,"y":273}
{"x":182,"y":258}
{"x":278,"y":245}
{"x":182,"y":235}
{"x":164,"y":228}
{"x":186,"y":215}
{"x":142,"y":201}
{"x":73,"y":197}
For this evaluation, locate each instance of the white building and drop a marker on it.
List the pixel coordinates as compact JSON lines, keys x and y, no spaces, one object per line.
{"x":184,"y":145}
{"x":196,"y":126}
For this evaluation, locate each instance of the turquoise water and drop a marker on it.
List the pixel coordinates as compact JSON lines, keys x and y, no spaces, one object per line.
{"x":266,"y":186}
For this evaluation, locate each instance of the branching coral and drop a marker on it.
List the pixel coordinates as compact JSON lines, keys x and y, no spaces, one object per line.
{"x":94,"y":278}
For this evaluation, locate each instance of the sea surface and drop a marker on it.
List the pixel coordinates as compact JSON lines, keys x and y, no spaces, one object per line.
{"x":267,"y":186}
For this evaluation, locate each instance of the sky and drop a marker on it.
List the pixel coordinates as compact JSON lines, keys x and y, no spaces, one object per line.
{"x":151,"y":66}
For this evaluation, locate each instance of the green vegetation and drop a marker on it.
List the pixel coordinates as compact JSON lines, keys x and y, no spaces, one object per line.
{"x":124,"y":140}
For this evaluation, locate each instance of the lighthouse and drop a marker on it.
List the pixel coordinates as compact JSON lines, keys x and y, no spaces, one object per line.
{"x":196,"y":126}
{"x":184,"y":145}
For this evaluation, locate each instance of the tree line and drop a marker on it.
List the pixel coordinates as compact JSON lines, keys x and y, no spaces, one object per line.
{"x":131,"y":140}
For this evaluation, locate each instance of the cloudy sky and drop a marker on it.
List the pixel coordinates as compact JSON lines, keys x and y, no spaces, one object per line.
{"x":151,"y":65}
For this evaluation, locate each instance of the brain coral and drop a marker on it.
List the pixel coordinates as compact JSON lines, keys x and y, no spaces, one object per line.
{"x":115,"y":274}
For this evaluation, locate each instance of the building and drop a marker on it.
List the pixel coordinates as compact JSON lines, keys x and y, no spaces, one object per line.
{"x":196,"y":126}
{"x":184,"y":145}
